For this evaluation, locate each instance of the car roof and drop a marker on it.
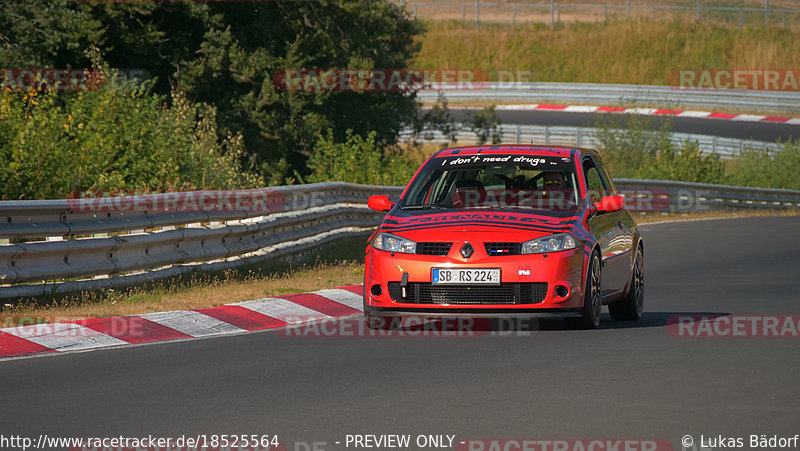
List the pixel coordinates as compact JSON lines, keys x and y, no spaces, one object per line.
{"x":556,"y":151}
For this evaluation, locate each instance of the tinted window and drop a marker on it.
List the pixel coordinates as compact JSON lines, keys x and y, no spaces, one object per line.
{"x":595,"y":182}
{"x":609,"y":183}
{"x":494,"y":181}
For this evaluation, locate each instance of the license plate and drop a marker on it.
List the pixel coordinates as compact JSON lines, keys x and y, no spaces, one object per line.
{"x":466,"y":276}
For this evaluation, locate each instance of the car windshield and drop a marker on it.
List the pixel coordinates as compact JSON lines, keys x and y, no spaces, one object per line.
{"x":494,"y":181}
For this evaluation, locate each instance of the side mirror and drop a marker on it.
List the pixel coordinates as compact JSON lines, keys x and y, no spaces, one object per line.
{"x":380,"y":203}
{"x":610,"y":204}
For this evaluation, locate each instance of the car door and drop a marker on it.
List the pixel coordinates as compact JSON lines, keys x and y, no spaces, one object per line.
{"x":626,"y":241}
{"x":608,"y":229}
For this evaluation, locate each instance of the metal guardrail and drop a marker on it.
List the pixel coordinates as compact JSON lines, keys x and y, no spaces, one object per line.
{"x":726,"y":148}
{"x":550,"y":12}
{"x":617,"y":94}
{"x":62,"y":246}
{"x":125,"y":241}
{"x":671,"y":196}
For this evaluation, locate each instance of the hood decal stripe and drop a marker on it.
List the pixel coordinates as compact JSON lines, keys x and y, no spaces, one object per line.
{"x":471,"y":223}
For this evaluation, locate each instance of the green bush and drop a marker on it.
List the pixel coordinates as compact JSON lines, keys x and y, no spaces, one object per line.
{"x":358,"y":160}
{"x":231,"y":55}
{"x":632,"y":149}
{"x":486,"y":125}
{"x":112,"y":140}
{"x":767,"y":169}
{"x":683,"y":162}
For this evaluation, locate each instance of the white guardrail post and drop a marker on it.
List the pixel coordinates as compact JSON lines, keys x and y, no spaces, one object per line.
{"x":59,"y":246}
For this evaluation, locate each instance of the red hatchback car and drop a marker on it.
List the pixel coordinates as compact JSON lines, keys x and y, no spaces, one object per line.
{"x":506,"y":231}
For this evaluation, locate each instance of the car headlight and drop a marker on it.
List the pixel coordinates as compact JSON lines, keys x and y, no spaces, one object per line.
{"x":550,"y":243}
{"x":394,"y":243}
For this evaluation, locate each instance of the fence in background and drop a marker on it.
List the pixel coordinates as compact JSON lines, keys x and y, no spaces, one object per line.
{"x":61,"y":246}
{"x":617,"y":94}
{"x":726,"y":148}
{"x":553,"y":12}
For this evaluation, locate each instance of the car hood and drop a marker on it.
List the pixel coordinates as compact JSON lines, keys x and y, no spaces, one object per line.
{"x":487,"y":225}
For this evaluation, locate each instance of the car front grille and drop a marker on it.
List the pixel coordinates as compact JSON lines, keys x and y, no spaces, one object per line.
{"x":504,"y":294}
{"x":433,"y":248}
{"x":498,"y":249}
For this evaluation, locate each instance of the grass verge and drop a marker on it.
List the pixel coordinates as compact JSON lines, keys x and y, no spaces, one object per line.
{"x":567,"y":11}
{"x":636,"y":51}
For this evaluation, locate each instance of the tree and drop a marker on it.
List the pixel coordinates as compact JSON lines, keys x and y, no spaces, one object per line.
{"x":238,"y":66}
{"x":226,"y":54}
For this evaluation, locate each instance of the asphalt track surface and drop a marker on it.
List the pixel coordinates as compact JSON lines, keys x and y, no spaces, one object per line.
{"x":757,"y":131}
{"x":625,"y":380}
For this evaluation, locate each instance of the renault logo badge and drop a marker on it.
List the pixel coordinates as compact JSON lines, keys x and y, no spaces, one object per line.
{"x":467,"y":250}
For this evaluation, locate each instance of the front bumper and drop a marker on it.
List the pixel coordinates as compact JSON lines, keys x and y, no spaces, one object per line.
{"x":451,"y":312}
{"x":561,"y":272}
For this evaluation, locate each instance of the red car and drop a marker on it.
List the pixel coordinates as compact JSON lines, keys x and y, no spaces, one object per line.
{"x":506,"y":231}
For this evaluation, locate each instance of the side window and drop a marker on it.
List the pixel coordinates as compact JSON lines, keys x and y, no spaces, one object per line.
{"x":607,"y":180}
{"x":594,"y":181}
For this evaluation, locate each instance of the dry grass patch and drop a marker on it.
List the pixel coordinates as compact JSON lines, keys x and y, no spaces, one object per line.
{"x":421,"y":151}
{"x":620,"y":51}
{"x":774,"y":4}
{"x":522,"y":11}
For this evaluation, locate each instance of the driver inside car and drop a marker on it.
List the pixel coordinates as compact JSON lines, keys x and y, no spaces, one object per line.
{"x":553,"y":181}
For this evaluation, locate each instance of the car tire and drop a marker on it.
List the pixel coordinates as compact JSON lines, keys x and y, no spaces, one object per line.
{"x":632,"y":307}
{"x":592,"y":296}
